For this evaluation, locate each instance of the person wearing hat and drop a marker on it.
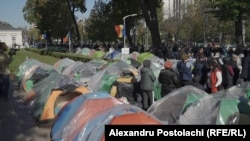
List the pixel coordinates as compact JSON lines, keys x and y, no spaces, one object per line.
{"x":147,"y":84}
{"x":5,"y":60}
{"x":168,"y":79}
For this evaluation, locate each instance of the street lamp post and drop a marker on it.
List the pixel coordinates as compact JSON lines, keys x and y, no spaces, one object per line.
{"x":124,"y":19}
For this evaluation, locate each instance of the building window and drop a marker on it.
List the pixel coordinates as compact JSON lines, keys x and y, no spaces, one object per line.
{"x":13,"y":41}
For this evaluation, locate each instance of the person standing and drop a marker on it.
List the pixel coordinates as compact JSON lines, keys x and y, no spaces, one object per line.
{"x":227,"y":73}
{"x":168,"y":78}
{"x":111,"y":52}
{"x":236,"y":63}
{"x":214,"y":77}
{"x":147,"y":84}
{"x":245,"y":73}
{"x":202,"y":65}
{"x":184,"y":68}
{"x":5,"y":60}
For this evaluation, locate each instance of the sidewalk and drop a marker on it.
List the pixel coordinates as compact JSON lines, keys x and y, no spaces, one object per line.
{"x":16,"y":123}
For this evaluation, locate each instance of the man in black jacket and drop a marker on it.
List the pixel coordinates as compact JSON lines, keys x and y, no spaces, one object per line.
{"x":245,"y":74}
{"x":168,"y":78}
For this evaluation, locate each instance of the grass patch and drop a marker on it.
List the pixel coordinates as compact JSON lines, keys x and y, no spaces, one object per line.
{"x":21,"y":56}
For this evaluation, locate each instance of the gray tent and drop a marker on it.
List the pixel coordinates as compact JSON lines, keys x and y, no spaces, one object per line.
{"x":169,"y":108}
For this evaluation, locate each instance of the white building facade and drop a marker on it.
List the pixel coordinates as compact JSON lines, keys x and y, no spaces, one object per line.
{"x":11,"y":37}
{"x":175,"y":7}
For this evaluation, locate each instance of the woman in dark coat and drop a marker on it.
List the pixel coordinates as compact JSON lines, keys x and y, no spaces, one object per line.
{"x":147,"y":84}
{"x":227,"y":73}
{"x":168,"y":78}
{"x":245,"y":74}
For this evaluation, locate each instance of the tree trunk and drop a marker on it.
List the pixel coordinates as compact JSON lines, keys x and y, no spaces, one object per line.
{"x":75,"y":23}
{"x":129,"y":38}
{"x":151,"y":19}
{"x":244,"y":33}
{"x":239,"y":32}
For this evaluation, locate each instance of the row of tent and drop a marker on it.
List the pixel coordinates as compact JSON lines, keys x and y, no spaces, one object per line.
{"x":85,"y":117}
{"x":80,"y":98}
{"x":49,"y":87}
{"x":116,"y":54}
{"x":95,"y":73}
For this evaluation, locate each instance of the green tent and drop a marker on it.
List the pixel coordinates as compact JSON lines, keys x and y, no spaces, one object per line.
{"x":99,"y":54}
{"x":107,"y":82}
{"x":217,"y":110}
{"x":104,"y":79}
{"x":144,"y":56}
{"x":85,"y":51}
{"x":62,"y":64}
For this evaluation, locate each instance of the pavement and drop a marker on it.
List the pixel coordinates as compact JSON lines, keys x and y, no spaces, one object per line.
{"x":16,"y":122}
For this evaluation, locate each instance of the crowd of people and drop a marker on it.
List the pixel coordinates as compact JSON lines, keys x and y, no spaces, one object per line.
{"x":210,"y":69}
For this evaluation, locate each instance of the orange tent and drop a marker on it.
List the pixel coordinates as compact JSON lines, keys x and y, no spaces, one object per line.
{"x":57,"y":100}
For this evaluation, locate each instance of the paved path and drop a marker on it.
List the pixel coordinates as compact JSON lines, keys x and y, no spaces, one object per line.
{"x":16,"y":123}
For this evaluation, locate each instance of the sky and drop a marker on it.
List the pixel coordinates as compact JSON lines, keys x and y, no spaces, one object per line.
{"x":11,"y":12}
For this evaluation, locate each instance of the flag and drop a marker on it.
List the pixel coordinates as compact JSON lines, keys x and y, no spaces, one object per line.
{"x":68,"y":36}
{"x":119,"y":30}
{"x":65,"y":40}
